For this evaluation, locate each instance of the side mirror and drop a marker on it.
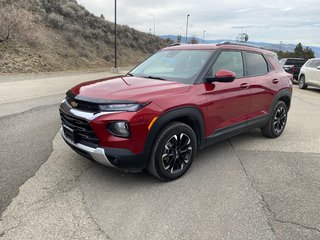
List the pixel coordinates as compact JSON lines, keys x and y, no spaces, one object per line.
{"x":222,"y":76}
{"x":318,"y":67}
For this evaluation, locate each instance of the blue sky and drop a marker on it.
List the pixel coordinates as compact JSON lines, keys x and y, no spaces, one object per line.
{"x":272,"y":21}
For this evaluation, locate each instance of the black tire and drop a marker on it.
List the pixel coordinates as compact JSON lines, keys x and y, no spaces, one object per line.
{"x":173,"y":151}
{"x":302,"y":82}
{"x":277,"y":121}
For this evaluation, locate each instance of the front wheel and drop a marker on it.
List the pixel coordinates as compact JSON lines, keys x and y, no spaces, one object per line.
{"x":173,"y":152}
{"x":277,"y":121}
{"x":302,"y":83}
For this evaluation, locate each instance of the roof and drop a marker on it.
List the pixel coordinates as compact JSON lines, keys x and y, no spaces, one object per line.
{"x":223,"y":45}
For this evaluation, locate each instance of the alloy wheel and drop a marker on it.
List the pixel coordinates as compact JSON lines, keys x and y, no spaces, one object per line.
{"x":177,"y":153}
{"x":280,"y":119}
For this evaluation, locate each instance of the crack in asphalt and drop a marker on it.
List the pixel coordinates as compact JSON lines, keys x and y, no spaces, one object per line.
{"x":298,"y":224}
{"x":87,"y":210}
{"x":18,"y":225}
{"x":266,"y":204}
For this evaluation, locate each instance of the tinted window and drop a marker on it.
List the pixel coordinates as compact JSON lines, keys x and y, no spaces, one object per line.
{"x":296,"y":62}
{"x":228,"y":60}
{"x":256,"y":64}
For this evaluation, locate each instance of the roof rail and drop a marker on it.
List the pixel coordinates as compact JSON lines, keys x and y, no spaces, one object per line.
{"x":237,"y":44}
{"x":175,"y":44}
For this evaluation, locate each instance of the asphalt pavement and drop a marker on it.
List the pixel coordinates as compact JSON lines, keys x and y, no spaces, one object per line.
{"x":29,"y":120}
{"x":247,"y":187}
{"x":26,"y":143}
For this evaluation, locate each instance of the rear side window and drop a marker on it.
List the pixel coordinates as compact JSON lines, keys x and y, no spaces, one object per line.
{"x":256,"y":64}
{"x":228,"y":60}
{"x":315,"y":63}
{"x":309,"y":63}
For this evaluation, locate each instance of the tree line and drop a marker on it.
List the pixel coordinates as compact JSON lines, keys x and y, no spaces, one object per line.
{"x":299,"y":52}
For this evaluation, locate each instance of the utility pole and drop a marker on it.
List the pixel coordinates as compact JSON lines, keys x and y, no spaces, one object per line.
{"x":204,"y":32}
{"x":187,"y":28}
{"x":115,"y":37}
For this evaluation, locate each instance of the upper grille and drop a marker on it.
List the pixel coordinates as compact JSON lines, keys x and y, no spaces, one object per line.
{"x":85,"y":106}
{"x":78,"y":130}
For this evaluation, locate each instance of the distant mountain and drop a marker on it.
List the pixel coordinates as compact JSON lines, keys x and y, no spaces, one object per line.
{"x":270,"y":46}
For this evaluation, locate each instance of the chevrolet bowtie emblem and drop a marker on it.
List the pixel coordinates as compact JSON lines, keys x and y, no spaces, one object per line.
{"x":74,"y":104}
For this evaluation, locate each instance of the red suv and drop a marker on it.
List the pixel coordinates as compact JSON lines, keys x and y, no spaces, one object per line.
{"x":178,"y":101}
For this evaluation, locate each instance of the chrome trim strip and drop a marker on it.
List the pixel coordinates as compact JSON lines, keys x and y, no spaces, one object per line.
{"x":67,"y":108}
{"x":96,"y":153}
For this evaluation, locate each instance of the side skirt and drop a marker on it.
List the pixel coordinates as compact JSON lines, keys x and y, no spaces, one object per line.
{"x":231,"y":131}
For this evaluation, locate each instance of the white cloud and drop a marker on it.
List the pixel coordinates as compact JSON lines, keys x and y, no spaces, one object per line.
{"x":274,"y":21}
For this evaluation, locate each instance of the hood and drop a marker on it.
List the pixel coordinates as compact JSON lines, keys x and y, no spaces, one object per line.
{"x":129,"y":88}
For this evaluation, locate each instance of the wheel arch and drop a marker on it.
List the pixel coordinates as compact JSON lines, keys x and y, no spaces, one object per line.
{"x":190,"y":116}
{"x":302,"y":74}
{"x":285,"y":96}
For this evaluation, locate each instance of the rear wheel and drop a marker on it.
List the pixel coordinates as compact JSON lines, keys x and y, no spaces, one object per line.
{"x":277,"y":121}
{"x":173,"y":152}
{"x":302,"y":82}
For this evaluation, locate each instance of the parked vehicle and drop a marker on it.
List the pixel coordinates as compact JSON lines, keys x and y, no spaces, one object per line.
{"x":180,"y":100}
{"x":310,"y":74}
{"x":293,"y":66}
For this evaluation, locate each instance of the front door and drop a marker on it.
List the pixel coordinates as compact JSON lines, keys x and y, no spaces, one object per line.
{"x":228,"y":103}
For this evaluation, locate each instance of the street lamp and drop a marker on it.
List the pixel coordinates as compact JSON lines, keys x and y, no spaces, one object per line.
{"x":204,"y":32}
{"x":187,"y":28}
{"x":154,"y":24}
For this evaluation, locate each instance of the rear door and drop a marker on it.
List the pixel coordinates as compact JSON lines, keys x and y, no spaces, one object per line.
{"x":264,"y":84}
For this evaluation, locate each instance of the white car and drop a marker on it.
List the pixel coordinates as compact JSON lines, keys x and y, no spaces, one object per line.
{"x":310,"y":74}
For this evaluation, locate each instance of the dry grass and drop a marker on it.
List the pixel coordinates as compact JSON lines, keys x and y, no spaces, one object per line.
{"x":48,"y":35}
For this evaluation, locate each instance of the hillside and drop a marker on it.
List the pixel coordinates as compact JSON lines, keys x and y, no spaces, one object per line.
{"x":59,"y":35}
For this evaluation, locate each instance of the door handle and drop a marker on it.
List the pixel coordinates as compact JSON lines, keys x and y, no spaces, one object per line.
{"x":275,"y":81}
{"x":244,"y":86}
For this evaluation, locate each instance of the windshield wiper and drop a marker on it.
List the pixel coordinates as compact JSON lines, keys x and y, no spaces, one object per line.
{"x":154,"y":77}
{"x":130,"y":74}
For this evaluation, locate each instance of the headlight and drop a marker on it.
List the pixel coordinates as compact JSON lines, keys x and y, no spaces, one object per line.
{"x":119,"y":129}
{"x":127,"y":107}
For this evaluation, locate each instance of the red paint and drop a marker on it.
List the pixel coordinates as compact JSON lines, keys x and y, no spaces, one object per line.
{"x":221,"y":104}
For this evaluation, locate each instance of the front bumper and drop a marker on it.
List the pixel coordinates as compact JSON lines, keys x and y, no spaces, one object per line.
{"x":120,"y":158}
{"x":96,"y":154}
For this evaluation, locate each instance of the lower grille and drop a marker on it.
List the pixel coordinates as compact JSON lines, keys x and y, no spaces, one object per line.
{"x":78,"y":130}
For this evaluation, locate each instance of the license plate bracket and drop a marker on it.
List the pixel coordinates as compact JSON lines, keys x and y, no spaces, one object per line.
{"x":71,"y":134}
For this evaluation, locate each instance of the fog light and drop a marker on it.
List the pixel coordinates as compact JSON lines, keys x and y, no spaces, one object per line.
{"x":119,"y":129}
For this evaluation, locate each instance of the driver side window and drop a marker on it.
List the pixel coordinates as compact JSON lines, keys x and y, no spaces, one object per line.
{"x":228,"y":60}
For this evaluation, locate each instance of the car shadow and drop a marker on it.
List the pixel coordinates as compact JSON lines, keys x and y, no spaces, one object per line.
{"x":313,"y":89}
{"x":212,"y":154}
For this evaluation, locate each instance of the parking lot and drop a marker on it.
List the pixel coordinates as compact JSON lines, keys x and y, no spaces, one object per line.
{"x":247,"y":187}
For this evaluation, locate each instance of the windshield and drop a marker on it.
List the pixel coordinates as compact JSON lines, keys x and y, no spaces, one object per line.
{"x":173,"y":65}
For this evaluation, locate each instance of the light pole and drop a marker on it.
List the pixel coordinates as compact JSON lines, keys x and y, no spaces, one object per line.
{"x":204,"y":32}
{"x":115,"y":35}
{"x":154,"y":24}
{"x":187,"y":28}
